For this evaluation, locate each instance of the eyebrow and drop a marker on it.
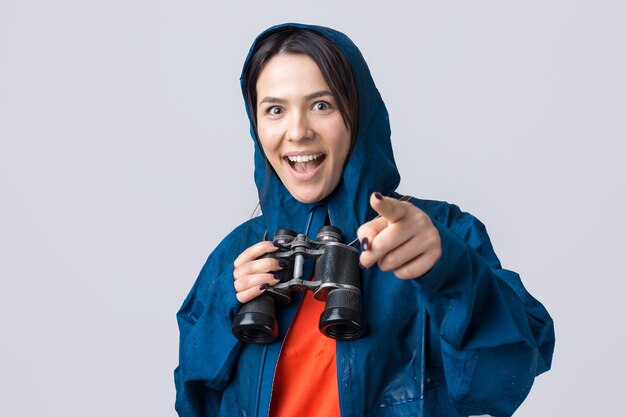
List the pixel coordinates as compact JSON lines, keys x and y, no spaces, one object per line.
{"x":308,"y":97}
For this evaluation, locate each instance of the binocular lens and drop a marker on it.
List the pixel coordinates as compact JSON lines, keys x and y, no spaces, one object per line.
{"x":342,"y":329}
{"x":342,"y":317}
{"x":256,"y":321}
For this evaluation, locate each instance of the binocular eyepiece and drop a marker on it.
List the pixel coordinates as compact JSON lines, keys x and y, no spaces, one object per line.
{"x":336,"y":281}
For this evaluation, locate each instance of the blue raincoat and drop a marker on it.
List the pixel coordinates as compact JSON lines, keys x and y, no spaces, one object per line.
{"x":465,"y":339}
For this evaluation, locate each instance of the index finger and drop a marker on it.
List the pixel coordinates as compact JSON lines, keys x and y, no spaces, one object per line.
{"x":391,"y":209}
{"x":254,"y":252}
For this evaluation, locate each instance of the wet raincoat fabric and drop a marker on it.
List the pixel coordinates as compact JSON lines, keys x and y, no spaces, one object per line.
{"x":465,"y":339}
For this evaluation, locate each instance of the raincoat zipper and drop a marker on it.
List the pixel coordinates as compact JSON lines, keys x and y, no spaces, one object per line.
{"x":339,"y":384}
{"x":260,"y":383}
{"x":423,"y":353}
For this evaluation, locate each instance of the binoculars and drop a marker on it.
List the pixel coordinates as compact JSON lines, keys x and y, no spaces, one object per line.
{"x":336,"y":281}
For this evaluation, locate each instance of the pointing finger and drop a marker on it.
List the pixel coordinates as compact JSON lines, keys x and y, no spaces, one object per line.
{"x":391,"y":209}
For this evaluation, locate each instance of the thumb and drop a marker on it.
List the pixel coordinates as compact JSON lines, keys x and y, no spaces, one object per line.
{"x":391,"y":209}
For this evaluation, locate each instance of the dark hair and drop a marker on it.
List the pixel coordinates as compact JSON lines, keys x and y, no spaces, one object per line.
{"x":331,"y":61}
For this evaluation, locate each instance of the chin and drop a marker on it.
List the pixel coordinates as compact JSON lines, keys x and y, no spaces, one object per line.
{"x":308,"y":197}
{"x":307,"y":200}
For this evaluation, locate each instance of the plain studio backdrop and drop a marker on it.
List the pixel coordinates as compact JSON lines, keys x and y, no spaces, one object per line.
{"x":125,"y":158}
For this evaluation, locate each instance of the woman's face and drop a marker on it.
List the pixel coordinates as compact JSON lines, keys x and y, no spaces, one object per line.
{"x":300,"y":128}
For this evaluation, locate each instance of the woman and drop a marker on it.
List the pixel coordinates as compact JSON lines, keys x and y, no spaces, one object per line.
{"x":449,"y":332}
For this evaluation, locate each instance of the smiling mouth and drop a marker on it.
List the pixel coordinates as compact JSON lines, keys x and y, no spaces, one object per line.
{"x":305,"y":163}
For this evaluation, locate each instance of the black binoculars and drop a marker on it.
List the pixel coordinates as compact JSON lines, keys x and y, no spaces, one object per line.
{"x":336,"y":281}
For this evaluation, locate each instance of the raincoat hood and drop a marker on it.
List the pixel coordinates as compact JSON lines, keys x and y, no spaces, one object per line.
{"x":370,"y":166}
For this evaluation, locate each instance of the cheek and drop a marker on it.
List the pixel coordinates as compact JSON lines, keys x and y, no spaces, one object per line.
{"x":268,"y":140}
{"x":340,"y":142}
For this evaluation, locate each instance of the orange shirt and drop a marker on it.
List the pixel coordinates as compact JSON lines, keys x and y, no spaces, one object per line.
{"x":305,"y":384}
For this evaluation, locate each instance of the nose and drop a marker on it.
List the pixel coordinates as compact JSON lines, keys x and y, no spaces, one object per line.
{"x":299,"y":128}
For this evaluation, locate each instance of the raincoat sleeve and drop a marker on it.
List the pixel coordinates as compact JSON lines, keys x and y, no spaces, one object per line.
{"x":495,"y":337}
{"x":208,"y":350}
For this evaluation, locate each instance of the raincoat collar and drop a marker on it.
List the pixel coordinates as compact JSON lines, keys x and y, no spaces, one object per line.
{"x":370,"y":167}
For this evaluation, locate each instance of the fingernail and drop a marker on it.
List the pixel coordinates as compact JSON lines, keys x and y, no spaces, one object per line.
{"x":365,"y":244}
{"x":282,"y":264}
{"x":265,"y":286}
{"x":278,"y":275}
{"x":378,"y":195}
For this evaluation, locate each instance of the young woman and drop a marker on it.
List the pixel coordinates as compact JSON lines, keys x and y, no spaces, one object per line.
{"x":449,"y":332}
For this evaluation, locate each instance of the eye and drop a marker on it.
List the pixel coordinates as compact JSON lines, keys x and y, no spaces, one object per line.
{"x":321,"y":105}
{"x":274,"y":111}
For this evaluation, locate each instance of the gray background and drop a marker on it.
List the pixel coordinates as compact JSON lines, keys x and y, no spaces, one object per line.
{"x":125,"y":157}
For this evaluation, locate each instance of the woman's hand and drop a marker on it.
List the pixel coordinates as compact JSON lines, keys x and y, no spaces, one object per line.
{"x":403,"y":239}
{"x":252,"y":275}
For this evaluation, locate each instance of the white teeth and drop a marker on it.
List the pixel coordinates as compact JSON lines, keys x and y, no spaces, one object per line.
{"x":304,"y":158}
